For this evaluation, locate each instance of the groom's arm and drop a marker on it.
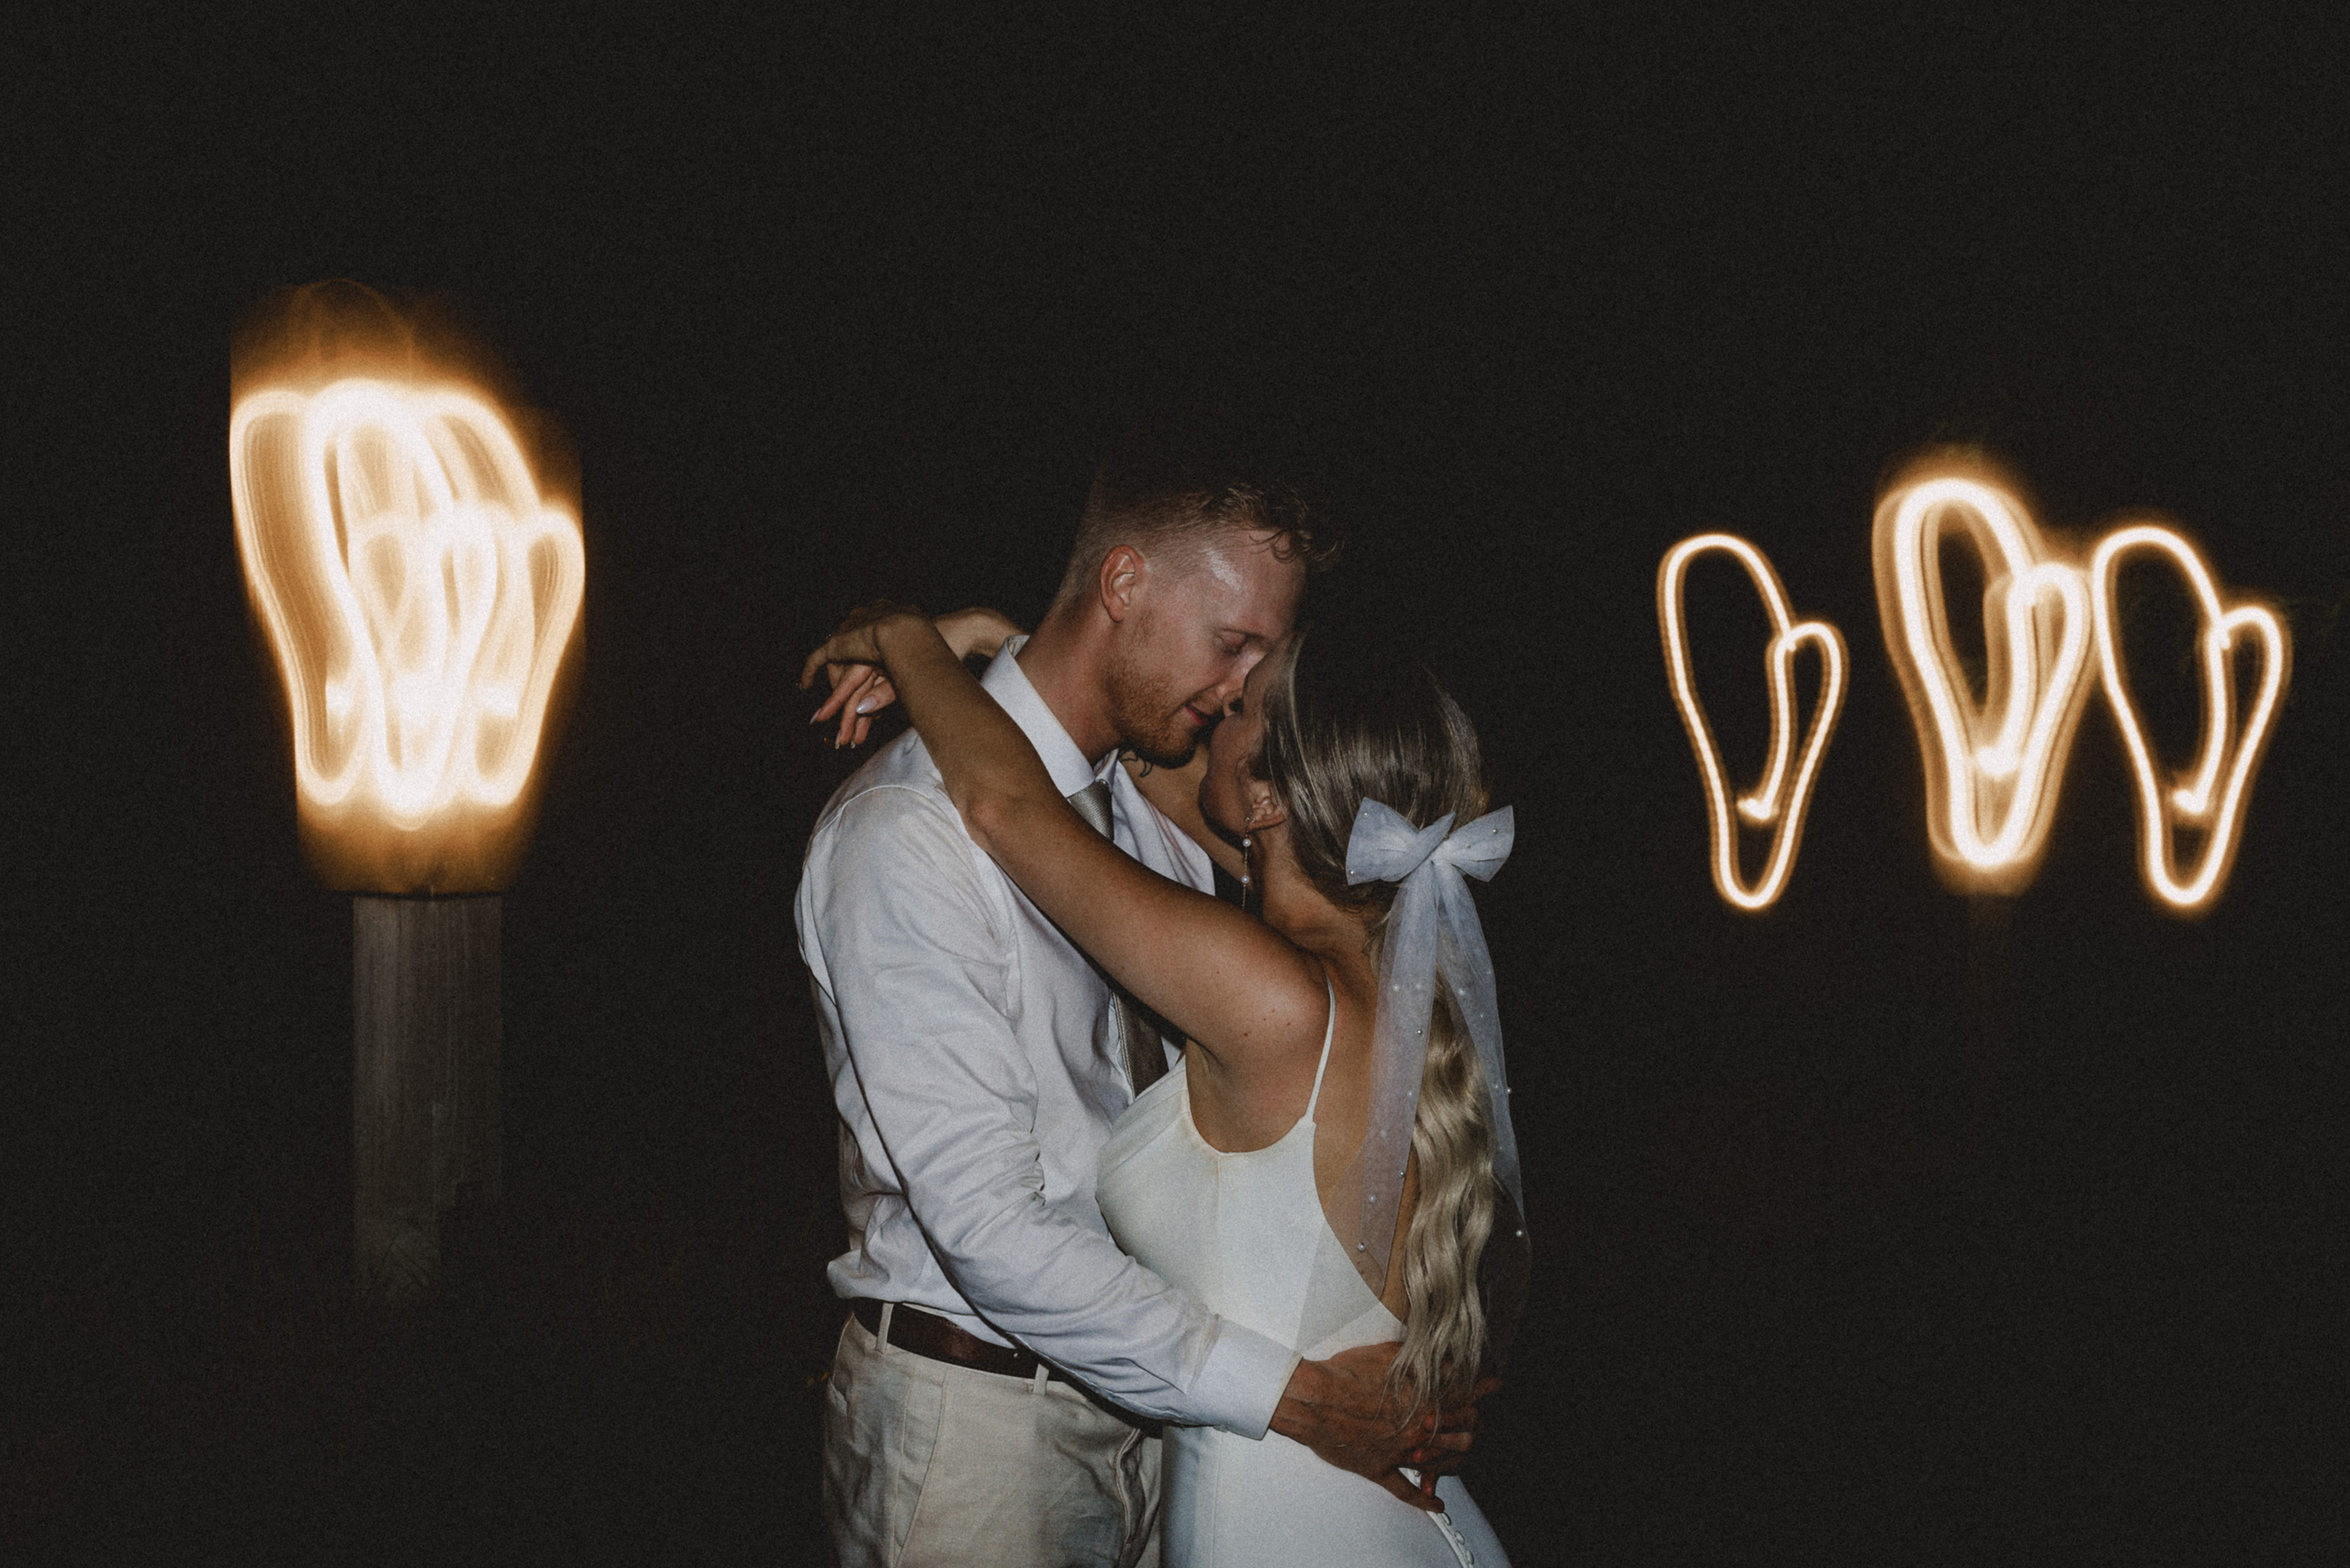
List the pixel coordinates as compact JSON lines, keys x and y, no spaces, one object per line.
{"x":923,"y":997}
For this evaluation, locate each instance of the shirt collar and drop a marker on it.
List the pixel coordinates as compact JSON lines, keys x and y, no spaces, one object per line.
{"x":1008,"y":683}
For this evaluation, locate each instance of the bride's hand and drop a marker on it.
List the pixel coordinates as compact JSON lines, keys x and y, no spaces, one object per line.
{"x":851,"y":659}
{"x":861,"y":689}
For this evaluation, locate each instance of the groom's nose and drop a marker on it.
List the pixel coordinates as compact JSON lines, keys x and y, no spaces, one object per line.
{"x":1227,"y":691}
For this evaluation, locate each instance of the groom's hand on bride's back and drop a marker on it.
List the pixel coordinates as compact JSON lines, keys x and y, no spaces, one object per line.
{"x":1341,"y":1409}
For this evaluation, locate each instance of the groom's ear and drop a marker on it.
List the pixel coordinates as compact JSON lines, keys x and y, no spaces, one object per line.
{"x":1122,"y":575}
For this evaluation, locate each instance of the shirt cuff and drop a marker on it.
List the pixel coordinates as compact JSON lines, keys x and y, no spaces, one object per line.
{"x":1241,"y":1381}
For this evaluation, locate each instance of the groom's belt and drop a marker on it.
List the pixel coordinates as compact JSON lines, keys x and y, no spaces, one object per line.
{"x":928,"y":1334}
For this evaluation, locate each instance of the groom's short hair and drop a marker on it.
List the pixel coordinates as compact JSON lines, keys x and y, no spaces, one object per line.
{"x":1170,"y":488}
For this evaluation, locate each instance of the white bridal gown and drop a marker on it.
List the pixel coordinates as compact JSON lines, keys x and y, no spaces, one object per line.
{"x":1245,"y":1234}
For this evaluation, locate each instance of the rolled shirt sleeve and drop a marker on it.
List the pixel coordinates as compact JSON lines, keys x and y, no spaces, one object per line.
{"x":940,"y":1079}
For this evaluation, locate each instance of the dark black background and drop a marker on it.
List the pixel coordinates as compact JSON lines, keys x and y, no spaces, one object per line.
{"x":1838,"y":1257}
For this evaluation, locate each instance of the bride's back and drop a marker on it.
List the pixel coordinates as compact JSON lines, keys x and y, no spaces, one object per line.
{"x":1347,"y":718}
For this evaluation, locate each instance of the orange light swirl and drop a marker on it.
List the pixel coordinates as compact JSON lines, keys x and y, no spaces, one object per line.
{"x":2203,"y":800}
{"x":1993,"y":769}
{"x":1780,"y":798}
{"x":419,"y":595}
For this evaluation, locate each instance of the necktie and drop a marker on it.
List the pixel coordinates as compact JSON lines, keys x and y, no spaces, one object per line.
{"x":1146,"y":1057}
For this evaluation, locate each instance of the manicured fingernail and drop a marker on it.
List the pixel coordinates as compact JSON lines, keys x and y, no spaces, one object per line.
{"x":869,"y":705}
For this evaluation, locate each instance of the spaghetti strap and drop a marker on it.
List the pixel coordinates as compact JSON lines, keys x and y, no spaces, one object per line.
{"x":1330,"y":1033}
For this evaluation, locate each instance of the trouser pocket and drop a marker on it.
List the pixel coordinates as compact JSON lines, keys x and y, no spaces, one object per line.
{"x":881,"y":1424}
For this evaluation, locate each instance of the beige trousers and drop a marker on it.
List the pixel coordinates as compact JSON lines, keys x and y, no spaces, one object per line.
{"x":930,"y":1463}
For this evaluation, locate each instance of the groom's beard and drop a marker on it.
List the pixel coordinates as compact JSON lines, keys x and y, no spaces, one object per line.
{"x":1150,"y":721}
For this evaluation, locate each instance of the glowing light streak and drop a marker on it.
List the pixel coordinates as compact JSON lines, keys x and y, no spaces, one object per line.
{"x":2193,"y":801}
{"x":419,"y":592}
{"x":1992,"y":769}
{"x":1780,"y":797}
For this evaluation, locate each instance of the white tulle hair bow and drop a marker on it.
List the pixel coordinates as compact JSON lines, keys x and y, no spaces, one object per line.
{"x":1433,"y":921}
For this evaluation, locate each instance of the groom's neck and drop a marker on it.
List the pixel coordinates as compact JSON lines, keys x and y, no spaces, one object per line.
{"x":1067,"y":660}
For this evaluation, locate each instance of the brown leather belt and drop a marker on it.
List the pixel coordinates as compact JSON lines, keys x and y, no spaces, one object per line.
{"x":928,"y":1334}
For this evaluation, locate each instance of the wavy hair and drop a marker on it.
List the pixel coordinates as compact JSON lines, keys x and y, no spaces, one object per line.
{"x":1170,"y":488}
{"x":1345,"y":717}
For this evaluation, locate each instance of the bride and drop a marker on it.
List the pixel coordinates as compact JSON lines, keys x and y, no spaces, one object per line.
{"x":1329,"y":1171}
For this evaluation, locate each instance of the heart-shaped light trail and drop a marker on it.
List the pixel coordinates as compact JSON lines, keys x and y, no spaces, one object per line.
{"x":2208,"y":796}
{"x":1783,"y":797}
{"x":1992,"y":769}
{"x":420,"y":594}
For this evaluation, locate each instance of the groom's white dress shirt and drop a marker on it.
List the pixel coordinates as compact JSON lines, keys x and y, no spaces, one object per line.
{"x":977,"y":1066}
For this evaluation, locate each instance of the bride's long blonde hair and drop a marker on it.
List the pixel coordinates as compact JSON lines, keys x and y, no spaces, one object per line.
{"x":1346,"y":717}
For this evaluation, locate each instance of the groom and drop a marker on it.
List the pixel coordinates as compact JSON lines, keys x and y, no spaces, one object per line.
{"x":984,"y":1398}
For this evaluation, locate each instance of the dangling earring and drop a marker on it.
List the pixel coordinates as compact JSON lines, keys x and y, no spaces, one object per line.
{"x":1248,"y":865}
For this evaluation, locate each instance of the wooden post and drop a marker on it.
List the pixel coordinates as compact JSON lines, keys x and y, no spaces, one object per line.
{"x":426,"y":1031}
